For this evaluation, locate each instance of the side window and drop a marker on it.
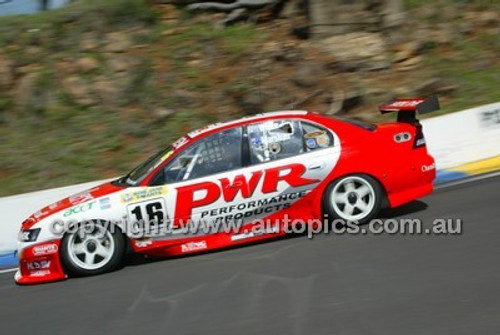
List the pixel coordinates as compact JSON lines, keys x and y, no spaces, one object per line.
{"x":275,"y":139}
{"x":316,"y":137}
{"x":213,"y":154}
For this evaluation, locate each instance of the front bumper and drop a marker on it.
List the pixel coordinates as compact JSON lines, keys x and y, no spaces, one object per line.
{"x":40,"y":263}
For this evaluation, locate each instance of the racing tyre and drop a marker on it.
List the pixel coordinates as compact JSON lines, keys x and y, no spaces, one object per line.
{"x":356,"y":198}
{"x":92,"y":249}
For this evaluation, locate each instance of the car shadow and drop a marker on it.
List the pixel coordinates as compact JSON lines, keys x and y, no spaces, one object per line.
{"x":409,"y":208}
{"x":134,"y":259}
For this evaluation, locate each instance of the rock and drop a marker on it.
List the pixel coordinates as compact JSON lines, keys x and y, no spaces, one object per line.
{"x":344,"y":102}
{"x":409,"y":64}
{"x":444,"y":35}
{"x":282,"y":51}
{"x":162,"y":113}
{"x":394,"y":14}
{"x":105,"y":90}
{"x":352,"y":100}
{"x":450,"y":13}
{"x":117,"y":42}
{"x":402,"y":91}
{"x":87,"y":64}
{"x":345,"y":66}
{"x":407,"y":50}
{"x":428,"y":12}
{"x":89,"y":42}
{"x":466,"y":28}
{"x":428,"y":87}
{"x":253,"y":102}
{"x":364,"y":49}
{"x":307,"y":75}
{"x":79,"y":90}
{"x":487,"y":18}
{"x":445,"y":90}
{"x":119,"y":64}
{"x":291,"y":8}
{"x":169,"y":13}
{"x":6,"y":73}
{"x":24,"y":90}
{"x":185,"y":98}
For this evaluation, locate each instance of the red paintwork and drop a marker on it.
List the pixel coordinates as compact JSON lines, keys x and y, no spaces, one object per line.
{"x":40,"y":263}
{"x":397,"y":166}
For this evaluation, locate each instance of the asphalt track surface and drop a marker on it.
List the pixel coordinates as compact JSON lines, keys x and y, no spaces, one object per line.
{"x":342,"y":284}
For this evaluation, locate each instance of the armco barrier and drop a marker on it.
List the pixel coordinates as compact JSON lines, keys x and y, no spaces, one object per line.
{"x":463,"y":143}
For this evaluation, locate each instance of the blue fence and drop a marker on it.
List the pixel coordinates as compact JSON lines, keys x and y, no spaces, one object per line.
{"x":10,"y":7}
{"x":8,"y":260}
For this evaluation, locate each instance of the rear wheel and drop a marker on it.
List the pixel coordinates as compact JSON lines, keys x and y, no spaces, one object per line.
{"x":92,"y":249}
{"x":355,"y":198}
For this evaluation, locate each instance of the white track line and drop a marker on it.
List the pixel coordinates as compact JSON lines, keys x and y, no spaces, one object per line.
{"x":8,"y":270}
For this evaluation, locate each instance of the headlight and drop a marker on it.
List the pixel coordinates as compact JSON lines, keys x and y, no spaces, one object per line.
{"x":29,"y":235}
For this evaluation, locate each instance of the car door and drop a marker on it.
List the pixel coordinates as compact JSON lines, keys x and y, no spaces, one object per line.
{"x":295,"y":156}
{"x":193,"y":178}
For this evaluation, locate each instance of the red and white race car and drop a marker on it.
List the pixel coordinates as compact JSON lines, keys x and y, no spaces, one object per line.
{"x":299,"y":165}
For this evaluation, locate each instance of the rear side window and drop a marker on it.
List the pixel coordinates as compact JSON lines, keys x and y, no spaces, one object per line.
{"x":316,"y":137}
{"x":274,"y":139}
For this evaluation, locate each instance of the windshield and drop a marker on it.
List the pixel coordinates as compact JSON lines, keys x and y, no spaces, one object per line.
{"x":139,"y":173}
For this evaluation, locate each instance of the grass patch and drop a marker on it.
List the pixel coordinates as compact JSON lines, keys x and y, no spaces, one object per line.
{"x":476,"y":72}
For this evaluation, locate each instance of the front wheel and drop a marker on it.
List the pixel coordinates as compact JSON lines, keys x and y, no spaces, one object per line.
{"x":92,"y":249}
{"x":355,"y":198}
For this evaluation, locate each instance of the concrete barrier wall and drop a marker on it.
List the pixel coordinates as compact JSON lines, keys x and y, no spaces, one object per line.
{"x":17,"y":208}
{"x":463,"y":143}
{"x":464,"y":137}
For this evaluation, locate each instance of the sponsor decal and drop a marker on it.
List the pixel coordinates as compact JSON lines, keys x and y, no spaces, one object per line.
{"x":406,"y":103}
{"x":279,"y":137}
{"x":193,"y":246}
{"x":143,"y":243}
{"x":46,"y":249}
{"x":311,"y":143}
{"x":252,"y":208}
{"x":104,"y":203}
{"x":54,"y":205}
{"x":40,"y":273}
{"x":291,"y":174}
{"x":39,"y":214}
{"x":256,"y":141}
{"x":319,"y":137}
{"x":80,"y":197}
{"x":179,"y":143}
{"x":204,"y":129}
{"x":79,"y":209}
{"x":427,"y":168}
{"x":150,"y":192}
{"x":38,"y":265}
{"x":250,"y":234}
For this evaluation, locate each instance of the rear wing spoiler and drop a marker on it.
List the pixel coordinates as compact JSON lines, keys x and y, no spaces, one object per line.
{"x":408,"y":108}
